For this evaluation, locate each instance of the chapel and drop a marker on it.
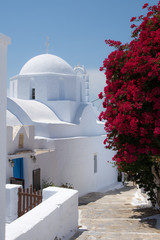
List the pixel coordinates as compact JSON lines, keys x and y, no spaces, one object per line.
{"x":53,"y":133}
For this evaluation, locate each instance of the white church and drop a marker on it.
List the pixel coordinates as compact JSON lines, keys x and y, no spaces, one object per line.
{"x":53,"y":133}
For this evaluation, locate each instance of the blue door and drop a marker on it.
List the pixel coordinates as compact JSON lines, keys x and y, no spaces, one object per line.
{"x":18,"y":168}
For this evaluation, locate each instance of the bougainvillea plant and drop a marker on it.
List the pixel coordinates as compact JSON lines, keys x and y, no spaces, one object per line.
{"x":131,"y":98}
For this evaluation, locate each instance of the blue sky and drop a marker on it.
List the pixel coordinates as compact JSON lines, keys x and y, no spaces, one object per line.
{"x":76,"y":29}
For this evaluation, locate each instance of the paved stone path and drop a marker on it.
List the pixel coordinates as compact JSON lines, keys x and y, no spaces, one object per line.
{"x":111,"y":215}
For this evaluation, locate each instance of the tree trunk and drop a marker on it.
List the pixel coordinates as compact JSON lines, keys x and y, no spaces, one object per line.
{"x":157,"y":182}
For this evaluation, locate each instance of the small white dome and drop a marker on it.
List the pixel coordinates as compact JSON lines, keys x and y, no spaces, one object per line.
{"x":46,"y":63}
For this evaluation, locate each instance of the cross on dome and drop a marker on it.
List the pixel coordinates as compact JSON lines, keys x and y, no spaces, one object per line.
{"x":47,"y":44}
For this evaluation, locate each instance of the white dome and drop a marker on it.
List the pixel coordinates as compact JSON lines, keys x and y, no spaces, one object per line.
{"x":46,"y":63}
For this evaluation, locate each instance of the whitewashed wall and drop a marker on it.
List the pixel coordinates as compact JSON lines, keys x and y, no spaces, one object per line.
{"x":11,"y":202}
{"x":48,"y":86}
{"x":57,"y":216}
{"x":69,"y":106}
{"x":73,"y":162}
{"x":13,"y":147}
{"x":77,"y":163}
{"x":13,"y":138}
{"x":4,"y":41}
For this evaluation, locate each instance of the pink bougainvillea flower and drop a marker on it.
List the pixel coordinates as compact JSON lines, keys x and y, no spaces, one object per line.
{"x":131,"y":97}
{"x":133,"y":26}
{"x":145,"y":5}
{"x":132,"y":19}
{"x":100,"y":95}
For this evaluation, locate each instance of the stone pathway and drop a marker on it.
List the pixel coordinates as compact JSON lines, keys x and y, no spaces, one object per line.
{"x":111,"y":215}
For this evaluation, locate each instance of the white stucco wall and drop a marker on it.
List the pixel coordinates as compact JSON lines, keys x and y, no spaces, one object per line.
{"x":85,"y":125}
{"x":65,"y":110}
{"x":13,"y":133}
{"x":73,"y":162}
{"x":28,"y":166}
{"x":48,"y":86}
{"x":77,"y":163}
{"x":13,"y":87}
{"x":23,"y":88}
{"x":4,"y":41}
{"x":57,"y":216}
{"x":11,"y":202}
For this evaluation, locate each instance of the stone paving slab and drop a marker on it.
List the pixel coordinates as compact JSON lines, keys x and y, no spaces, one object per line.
{"x":116,"y":236}
{"x":111,"y":215}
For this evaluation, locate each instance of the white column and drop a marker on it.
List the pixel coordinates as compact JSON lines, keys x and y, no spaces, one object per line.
{"x":4,"y":41}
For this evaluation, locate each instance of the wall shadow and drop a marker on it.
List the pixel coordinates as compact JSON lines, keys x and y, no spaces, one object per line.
{"x":94,"y":196}
{"x":148,"y":216}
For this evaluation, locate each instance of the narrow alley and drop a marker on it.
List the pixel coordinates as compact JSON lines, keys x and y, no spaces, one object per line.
{"x":112,"y":215}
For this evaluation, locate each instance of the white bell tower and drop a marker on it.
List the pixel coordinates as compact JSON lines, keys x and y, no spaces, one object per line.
{"x":81,"y":72}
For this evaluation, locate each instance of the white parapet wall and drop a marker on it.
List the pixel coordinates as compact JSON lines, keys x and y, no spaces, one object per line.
{"x":11,"y":202}
{"x":56,"y":216}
